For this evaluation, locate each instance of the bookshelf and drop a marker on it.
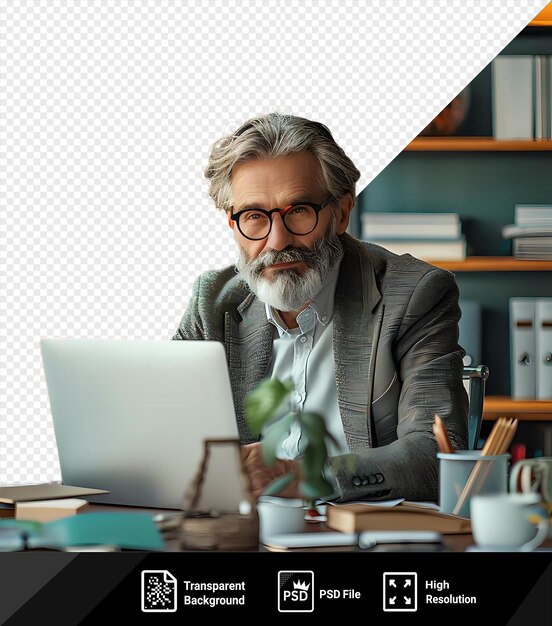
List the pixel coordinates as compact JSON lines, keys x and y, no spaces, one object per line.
{"x":482,"y":179}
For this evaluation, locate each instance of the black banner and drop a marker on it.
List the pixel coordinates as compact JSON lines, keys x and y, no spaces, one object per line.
{"x":510,"y":588}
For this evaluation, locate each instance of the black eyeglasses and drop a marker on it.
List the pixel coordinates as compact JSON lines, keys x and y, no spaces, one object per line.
{"x":300,"y":218}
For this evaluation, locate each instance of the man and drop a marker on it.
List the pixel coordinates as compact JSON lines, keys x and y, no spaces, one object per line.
{"x":369,"y":338}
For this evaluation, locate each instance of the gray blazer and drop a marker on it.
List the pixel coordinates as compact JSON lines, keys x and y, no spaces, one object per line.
{"x":397,"y":363}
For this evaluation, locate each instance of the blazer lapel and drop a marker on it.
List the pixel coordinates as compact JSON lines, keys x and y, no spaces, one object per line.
{"x":248,"y":341}
{"x":357,"y":321}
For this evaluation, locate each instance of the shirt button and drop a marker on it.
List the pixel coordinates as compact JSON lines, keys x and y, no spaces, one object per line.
{"x":303,"y":339}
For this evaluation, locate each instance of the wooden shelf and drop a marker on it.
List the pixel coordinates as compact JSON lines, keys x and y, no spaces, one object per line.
{"x":494,"y":264}
{"x":477,"y":144}
{"x":504,"y":406}
{"x":544,"y":18}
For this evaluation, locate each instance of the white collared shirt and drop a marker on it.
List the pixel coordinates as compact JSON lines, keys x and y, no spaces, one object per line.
{"x":305,"y":355}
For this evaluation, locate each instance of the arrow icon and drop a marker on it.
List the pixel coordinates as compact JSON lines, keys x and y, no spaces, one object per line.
{"x":400,"y":591}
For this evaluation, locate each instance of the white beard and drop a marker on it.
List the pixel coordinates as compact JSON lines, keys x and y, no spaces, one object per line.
{"x":289,"y":290}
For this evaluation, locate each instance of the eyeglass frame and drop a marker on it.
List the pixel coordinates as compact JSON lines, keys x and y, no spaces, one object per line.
{"x":235,"y":217}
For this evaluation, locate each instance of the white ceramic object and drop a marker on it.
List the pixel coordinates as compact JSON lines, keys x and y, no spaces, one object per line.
{"x":512,"y":521}
{"x":279,"y":516}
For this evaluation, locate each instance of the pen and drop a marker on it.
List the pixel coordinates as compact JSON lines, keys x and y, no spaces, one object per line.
{"x":443,"y":442}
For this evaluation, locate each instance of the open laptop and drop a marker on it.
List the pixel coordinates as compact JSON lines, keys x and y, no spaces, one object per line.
{"x":131,"y":416}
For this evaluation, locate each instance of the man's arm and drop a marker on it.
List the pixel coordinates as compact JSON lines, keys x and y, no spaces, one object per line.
{"x":429,"y":365}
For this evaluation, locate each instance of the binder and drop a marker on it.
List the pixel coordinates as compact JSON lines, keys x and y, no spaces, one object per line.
{"x":522,"y":348}
{"x":542,"y":97}
{"x":543,"y":337}
{"x":470,"y":331}
{"x":512,"y":93}
{"x":549,"y":86}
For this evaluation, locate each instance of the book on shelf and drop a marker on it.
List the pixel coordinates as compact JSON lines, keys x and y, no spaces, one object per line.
{"x":441,"y":226}
{"x":533,"y":215}
{"x":533,"y":248}
{"x":512,"y":97}
{"x":531,"y":234}
{"x":543,"y":96}
{"x":522,"y":96}
{"x":429,"y":250}
{"x":48,"y":510}
{"x":512,"y":231}
{"x":356,"y":518}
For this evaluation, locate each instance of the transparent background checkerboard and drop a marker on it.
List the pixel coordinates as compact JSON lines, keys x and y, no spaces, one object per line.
{"x":108,"y":112}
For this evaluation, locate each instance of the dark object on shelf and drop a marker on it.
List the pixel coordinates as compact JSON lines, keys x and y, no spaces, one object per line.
{"x":451,"y":117}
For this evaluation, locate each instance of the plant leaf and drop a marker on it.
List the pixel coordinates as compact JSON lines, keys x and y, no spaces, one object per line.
{"x":312,"y":462}
{"x":313,"y":426}
{"x":273,"y":433}
{"x":262,"y":403}
{"x":278,"y":484}
{"x":315,"y":429}
{"x":315,"y":489}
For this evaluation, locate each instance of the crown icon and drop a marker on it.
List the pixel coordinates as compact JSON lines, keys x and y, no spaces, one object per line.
{"x":301,"y":585}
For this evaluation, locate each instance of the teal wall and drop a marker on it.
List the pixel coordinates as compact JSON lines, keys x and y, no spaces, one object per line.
{"x":483,"y":188}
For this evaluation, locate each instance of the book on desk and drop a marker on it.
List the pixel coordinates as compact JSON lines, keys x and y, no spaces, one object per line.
{"x":356,"y":518}
{"x":12,"y":494}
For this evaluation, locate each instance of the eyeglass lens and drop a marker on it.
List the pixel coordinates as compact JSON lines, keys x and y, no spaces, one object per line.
{"x":299,"y":220}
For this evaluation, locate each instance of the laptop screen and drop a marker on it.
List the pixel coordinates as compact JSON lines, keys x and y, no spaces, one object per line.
{"x":131,"y":416}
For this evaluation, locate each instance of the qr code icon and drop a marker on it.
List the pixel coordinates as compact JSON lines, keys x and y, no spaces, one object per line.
{"x":158,"y":591}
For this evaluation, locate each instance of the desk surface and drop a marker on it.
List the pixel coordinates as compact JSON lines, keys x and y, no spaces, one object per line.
{"x":451,"y":543}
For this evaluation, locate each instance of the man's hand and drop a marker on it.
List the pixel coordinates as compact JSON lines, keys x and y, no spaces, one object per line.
{"x":261,"y":475}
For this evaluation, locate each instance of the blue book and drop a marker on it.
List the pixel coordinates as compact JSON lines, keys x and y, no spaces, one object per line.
{"x":133,"y":531}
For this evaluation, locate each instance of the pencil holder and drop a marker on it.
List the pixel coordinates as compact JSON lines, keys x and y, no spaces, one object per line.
{"x":466,"y":473}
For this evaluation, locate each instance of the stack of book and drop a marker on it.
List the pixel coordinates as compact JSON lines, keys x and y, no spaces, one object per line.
{"x":43,"y":502}
{"x":427,"y":236}
{"x":522,"y":97}
{"x":531,"y":234}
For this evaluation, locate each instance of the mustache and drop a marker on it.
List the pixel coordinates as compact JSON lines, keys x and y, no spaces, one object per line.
{"x":287,"y":255}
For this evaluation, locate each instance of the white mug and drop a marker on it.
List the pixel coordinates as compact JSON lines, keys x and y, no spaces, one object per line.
{"x":533,"y":476}
{"x":510,"y":521}
{"x":280,"y":516}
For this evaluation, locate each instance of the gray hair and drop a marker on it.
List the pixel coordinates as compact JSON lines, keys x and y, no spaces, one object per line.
{"x":272,"y":136}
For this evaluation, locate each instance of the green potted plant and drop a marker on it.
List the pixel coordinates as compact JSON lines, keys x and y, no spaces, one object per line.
{"x":263,"y":410}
